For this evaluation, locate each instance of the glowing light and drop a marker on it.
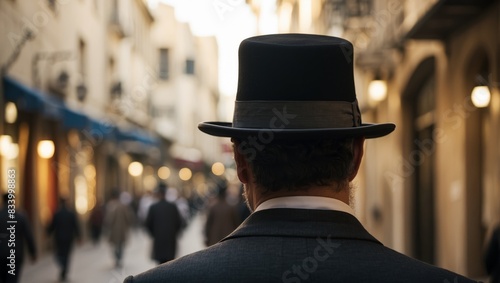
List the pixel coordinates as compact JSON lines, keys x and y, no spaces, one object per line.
{"x":377,"y":89}
{"x":46,"y":149}
{"x":164,"y":172}
{"x":185,"y":174}
{"x":481,"y":96}
{"x":218,"y":168}
{"x":89,"y":171}
{"x":13,"y":151}
{"x":10,"y":112}
{"x":135,"y":168}
{"x":149,"y":182}
{"x":5,"y":142}
{"x":81,"y":195}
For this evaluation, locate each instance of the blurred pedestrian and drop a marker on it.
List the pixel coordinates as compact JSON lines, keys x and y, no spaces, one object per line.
{"x":118,"y":220}
{"x":492,"y":256}
{"x":64,"y":226}
{"x":164,"y":224}
{"x":95,"y":222}
{"x":222,"y":218}
{"x":298,"y":142}
{"x":13,"y":222}
{"x":145,"y":203}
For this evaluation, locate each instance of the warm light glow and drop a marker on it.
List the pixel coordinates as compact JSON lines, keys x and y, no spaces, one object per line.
{"x":10,"y":112}
{"x":150,"y":182}
{"x":13,"y":151}
{"x":377,"y":89}
{"x":135,"y":168}
{"x":185,"y":174}
{"x":164,"y":172}
{"x":481,"y":96}
{"x":81,"y":195}
{"x":89,"y":171}
{"x":46,"y":149}
{"x":5,"y":142}
{"x":218,"y":168}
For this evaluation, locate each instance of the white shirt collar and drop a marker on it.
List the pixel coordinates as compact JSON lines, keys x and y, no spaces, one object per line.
{"x":306,"y":202}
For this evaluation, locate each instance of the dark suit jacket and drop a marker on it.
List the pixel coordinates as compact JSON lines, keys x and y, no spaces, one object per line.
{"x":492,"y":256}
{"x":297,"y":245}
{"x":164,"y":224}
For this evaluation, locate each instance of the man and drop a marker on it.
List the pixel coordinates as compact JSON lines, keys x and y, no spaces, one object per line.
{"x":14,"y":233}
{"x":222,"y":218}
{"x":298,"y":143}
{"x":492,"y":256}
{"x":65,"y":228}
{"x":118,"y":220}
{"x":164,"y":224}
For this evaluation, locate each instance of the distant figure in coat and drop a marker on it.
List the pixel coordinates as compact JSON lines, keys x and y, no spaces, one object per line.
{"x":164,"y":224}
{"x":492,"y":257}
{"x":118,"y":220}
{"x":64,"y":227}
{"x":11,"y":272}
{"x":222,"y":218}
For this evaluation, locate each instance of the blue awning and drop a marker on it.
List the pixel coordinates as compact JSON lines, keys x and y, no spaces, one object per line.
{"x":32,"y":100}
{"x":137,"y":135}
{"x":24,"y":97}
{"x":74,"y":120}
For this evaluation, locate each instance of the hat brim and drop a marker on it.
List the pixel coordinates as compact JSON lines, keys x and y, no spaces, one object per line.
{"x":366,"y":130}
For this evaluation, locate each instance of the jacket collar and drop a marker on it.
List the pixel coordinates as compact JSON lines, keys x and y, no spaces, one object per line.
{"x":305,"y":223}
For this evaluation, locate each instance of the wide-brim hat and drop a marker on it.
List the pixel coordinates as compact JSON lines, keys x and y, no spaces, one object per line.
{"x":296,"y":86}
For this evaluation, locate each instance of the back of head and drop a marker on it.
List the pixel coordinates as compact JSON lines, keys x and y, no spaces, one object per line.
{"x":162,"y":189}
{"x":294,"y":165}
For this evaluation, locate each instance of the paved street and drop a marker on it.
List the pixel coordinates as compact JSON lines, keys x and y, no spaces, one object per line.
{"x":95,"y":263}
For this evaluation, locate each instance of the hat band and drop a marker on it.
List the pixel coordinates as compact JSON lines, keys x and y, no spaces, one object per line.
{"x":296,"y":114}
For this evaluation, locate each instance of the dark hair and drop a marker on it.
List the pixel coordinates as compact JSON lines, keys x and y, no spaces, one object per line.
{"x":294,"y":165}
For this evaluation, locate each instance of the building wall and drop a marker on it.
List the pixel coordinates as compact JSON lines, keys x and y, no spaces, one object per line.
{"x":96,"y":50}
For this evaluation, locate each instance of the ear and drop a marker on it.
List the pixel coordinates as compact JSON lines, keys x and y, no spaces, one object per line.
{"x":242,"y":167}
{"x":358,"y":150}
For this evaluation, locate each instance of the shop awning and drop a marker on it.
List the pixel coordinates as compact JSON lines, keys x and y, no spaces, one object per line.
{"x":32,"y":100}
{"x":24,"y":97}
{"x":137,"y":135}
{"x":74,"y":120}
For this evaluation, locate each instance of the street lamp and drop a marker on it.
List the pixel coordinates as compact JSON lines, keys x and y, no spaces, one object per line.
{"x":185,"y":174}
{"x":10,"y":112}
{"x":46,"y":149}
{"x":377,"y":89}
{"x":135,"y":168}
{"x":480,"y":96}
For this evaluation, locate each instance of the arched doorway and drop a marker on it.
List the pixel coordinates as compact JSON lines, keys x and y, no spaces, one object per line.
{"x":476,"y":72}
{"x":420,"y":104}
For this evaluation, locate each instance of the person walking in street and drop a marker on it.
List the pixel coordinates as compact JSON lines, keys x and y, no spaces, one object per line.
{"x":13,"y":222}
{"x":118,"y":220}
{"x":163,"y":223}
{"x":222,"y":218}
{"x":64,"y":226}
{"x":95,"y":222}
{"x":298,"y":141}
{"x":492,"y":256}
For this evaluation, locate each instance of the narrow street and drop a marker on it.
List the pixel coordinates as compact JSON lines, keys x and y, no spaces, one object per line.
{"x":91,"y":263}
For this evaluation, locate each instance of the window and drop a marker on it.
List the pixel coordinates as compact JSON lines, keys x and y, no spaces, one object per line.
{"x":163,"y":68}
{"x":189,"y":67}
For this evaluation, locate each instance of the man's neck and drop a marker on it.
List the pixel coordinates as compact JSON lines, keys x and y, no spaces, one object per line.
{"x":256,"y":197}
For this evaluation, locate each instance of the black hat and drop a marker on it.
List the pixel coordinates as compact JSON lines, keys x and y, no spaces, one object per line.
{"x":296,"y":86}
